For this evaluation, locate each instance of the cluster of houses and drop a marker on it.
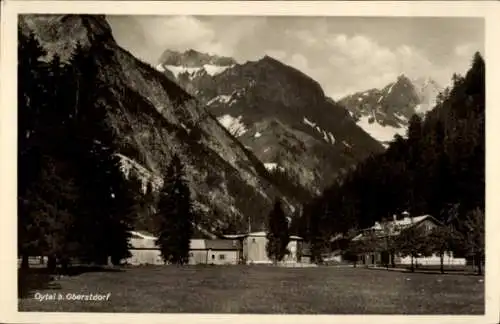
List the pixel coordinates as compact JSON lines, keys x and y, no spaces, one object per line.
{"x":249,"y":248}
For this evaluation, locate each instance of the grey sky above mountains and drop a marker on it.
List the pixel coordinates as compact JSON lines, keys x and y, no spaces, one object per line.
{"x":344,"y":54}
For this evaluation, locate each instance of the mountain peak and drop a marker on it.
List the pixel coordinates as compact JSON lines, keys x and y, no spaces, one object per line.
{"x":194,"y":58}
{"x":61,"y":32}
{"x":269,"y":58}
{"x":402,"y":78}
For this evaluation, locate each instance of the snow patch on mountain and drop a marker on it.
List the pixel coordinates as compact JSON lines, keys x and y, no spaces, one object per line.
{"x":177,"y":70}
{"x":327,"y":136}
{"x":233,"y":125}
{"x":332,"y":138}
{"x":390,"y":89}
{"x":128,"y":167}
{"x":220,"y":98}
{"x":308,"y":122}
{"x":401,"y":117}
{"x":210,"y":69}
{"x":271,"y":166}
{"x":160,"y":68}
{"x":383,"y":134}
{"x":215,"y":69}
{"x":421,"y":109}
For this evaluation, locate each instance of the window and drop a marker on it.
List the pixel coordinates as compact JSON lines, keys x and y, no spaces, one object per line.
{"x":191,"y":254}
{"x":253,"y":240}
{"x":222,"y":256}
{"x":213,"y":257}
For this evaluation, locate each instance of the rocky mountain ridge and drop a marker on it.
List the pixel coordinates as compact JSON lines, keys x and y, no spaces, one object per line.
{"x":283,"y":116}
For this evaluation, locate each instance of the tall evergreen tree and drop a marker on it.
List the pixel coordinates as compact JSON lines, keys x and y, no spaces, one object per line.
{"x":30,"y":106}
{"x":175,"y":216}
{"x":277,"y":233}
{"x":106,"y":218}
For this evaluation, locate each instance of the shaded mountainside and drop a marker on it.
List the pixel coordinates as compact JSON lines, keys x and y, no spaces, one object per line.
{"x":281,"y":115}
{"x":383,"y":113}
{"x":153,"y":119}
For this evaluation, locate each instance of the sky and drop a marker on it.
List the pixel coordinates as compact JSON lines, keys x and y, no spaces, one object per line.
{"x":344,"y":54}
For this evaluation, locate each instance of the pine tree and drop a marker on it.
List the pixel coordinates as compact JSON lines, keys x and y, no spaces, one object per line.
{"x":175,"y":216}
{"x":30,"y":104}
{"x":109,"y":202}
{"x":277,"y":233}
{"x":108,"y":206}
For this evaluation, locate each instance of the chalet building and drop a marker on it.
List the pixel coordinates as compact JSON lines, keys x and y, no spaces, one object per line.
{"x":393,"y":228}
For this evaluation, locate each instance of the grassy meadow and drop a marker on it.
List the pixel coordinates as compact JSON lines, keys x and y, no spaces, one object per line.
{"x":260,"y":289}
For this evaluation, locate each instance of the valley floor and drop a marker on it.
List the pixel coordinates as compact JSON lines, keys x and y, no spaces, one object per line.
{"x":263,"y":289}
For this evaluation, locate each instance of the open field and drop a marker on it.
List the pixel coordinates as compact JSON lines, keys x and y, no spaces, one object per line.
{"x":265,"y":289}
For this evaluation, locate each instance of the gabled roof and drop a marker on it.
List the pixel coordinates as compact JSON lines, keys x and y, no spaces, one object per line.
{"x":142,"y":240}
{"x":143,"y":234}
{"x":257,"y":234}
{"x":234,"y":236}
{"x":222,"y":244}
{"x":395,"y":227}
{"x":197,"y":244}
{"x":403,"y":223}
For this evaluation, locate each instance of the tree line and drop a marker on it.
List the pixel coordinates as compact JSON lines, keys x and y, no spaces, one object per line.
{"x":437,"y":169}
{"x":73,"y":200}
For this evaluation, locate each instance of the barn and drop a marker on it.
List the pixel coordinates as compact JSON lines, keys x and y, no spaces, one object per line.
{"x":201,"y":251}
{"x":143,"y":249}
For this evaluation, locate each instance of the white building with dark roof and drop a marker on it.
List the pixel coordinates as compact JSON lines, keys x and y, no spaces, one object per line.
{"x":254,"y":248}
{"x":144,"y":251}
{"x":394,"y":228}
